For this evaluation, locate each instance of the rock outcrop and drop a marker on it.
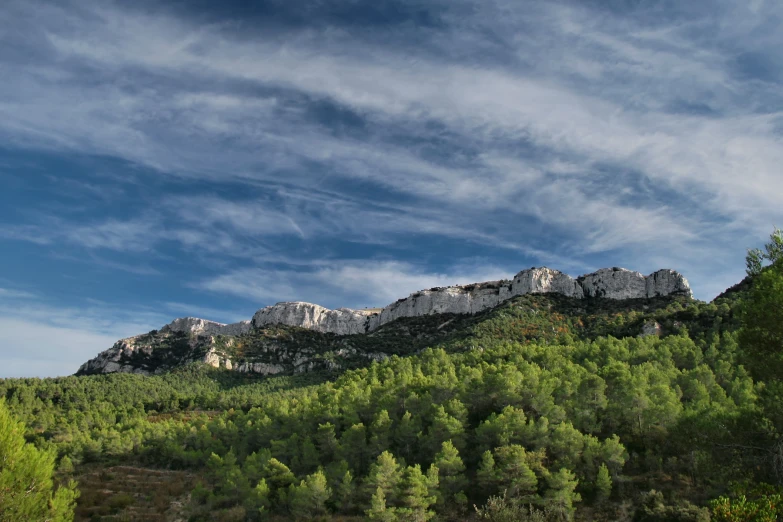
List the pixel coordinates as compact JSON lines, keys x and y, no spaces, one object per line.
{"x":115,"y":358}
{"x":202,"y":326}
{"x":651,"y":328}
{"x":610,"y":283}
{"x":342,"y":321}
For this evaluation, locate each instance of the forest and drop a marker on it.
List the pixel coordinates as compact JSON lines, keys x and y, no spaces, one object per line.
{"x":545,"y":408}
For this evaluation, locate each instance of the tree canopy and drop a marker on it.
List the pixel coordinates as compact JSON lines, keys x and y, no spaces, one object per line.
{"x":27,"y":489}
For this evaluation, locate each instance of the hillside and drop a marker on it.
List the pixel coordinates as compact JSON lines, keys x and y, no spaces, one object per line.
{"x":593,"y":408}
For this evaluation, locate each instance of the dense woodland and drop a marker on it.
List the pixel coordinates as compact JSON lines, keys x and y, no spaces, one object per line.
{"x":545,"y":408}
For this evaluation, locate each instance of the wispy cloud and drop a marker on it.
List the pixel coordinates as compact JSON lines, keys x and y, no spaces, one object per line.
{"x":319,"y":158}
{"x":10,"y":293}
{"x":692,"y":153}
{"x":341,"y":283}
{"x":31,"y":349}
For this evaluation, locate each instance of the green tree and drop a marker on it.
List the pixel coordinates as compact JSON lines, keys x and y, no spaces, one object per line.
{"x":66,"y":465}
{"x":380,"y":433}
{"x":514,"y":473}
{"x":378,"y":509}
{"x":258,"y":500}
{"x":487,"y":475}
{"x":385,"y":473}
{"x":280,"y":478}
{"x":772,"y":253}
{"x":444,"y":427}
{"x":415,"y":496}
{"x":740,"y":509}
{"x":308,"y":499}
{"x":406,"y":435}
{"x":27,"y":489}
{"x":344,"y":493}
{"x":561,"y":495}
{"x":354,"y":448}
{"x":451,"y":476}
{"x":603,"y":484}
{"x":761,"y":337}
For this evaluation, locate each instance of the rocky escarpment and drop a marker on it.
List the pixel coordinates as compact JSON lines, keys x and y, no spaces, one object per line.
{"x":268,"y":351}
{"x":611,"y":283}
{"x":194,"y":339}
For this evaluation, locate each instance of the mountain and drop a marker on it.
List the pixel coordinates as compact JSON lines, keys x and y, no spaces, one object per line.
{"x":296,"y":337}
{"x":593,"y":391}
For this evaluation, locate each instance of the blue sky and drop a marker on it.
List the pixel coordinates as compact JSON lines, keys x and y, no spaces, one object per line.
{"x":159,"y":159}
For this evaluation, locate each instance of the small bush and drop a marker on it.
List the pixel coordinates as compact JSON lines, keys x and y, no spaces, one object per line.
{"x":120,"y":501}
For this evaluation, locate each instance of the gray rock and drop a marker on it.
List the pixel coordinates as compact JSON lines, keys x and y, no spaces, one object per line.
{"x":651,"y":328}
{"x":614,"y":283}
{"x":202,"y":326}
{"x":667,"y":282}
{"x":259,"y":368}
{"x":342,"y":321}
{"x":545,"y":280}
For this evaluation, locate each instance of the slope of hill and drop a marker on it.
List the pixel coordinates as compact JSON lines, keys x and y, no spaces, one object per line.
{"x":577,"y":406}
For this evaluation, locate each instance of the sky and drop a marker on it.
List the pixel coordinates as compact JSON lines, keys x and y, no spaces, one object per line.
{"x":192,"y":158}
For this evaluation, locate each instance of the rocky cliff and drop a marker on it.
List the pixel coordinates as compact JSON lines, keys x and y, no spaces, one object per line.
{"x":195,"y":338}
{"x":611,"y":283}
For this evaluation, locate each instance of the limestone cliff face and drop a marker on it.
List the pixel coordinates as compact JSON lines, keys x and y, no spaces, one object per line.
{"x":202,"y":326}
{"x":114,"y":359}
{"x":611,"y":283}
{"x":667,"y":282}
{"x":342,"y":321}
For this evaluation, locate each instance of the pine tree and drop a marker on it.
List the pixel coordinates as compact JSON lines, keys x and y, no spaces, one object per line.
{"x":513,"y":471}
{"x":380,"y":433}
{"x":451,"y":475}
{"x":761,"y":336}
{"x":354,"y":449}
{"x":443,"y":427}
{"x":27,"y":490}
{"x":66,"y":466}
{"x":259,"y":500}
{"x":378,"y":509}
{"x":308,"y":499}
{"x":309,"y":456}
{"x":385,"y":474}
{"x":344,"y":493}
{"x":560,"y":496}
{"x":487,"y":474}
{"x":603,"y":484}
{"x":279,"y":478}
{"x":406,"y":436}
{"x":415,"y":496}
{"x":326,"y":441}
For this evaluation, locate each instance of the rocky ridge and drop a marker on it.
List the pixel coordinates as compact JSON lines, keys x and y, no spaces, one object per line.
{"x":610,"y":283}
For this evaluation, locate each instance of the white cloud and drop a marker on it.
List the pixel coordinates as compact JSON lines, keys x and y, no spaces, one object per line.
{"x":32,"y":349}
{"x":695,"y":154}
{"x":41,"y":339}
{"x":344,"y":283}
